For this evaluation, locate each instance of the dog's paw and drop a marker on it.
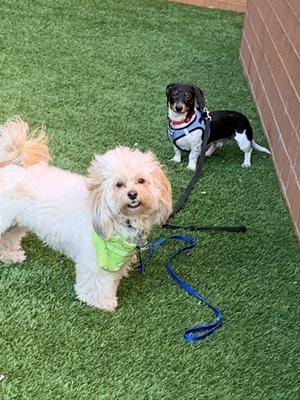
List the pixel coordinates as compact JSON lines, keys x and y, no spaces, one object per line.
{"x":191,"y":167}
{"x":95,"y":299}
{"x":176,"y":159}
{"x":108,"y":305}
{"x":12,"y":257}
{"x":246,"y":165}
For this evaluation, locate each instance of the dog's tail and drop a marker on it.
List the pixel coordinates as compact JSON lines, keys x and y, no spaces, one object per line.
{"x":19,"y":146}
{"x":260,"y":148}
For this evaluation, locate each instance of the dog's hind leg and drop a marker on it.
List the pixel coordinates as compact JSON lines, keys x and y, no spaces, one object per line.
{"x":10,"y":245}
{"x":211,"y":150}
{"x":245,"y":145}
{"x":214,"y":146}
{"x":247,"y":158}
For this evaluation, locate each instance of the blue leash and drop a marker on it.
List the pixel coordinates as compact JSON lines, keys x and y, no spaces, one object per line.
{"x":195,"y":333}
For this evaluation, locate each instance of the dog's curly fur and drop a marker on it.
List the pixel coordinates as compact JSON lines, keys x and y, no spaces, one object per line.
{"x":19,"y":146}
{"x":126,"y":192}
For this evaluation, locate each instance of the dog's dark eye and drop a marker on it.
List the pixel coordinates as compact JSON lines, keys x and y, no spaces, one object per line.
{"x":141,"y":180}
{"x":119,"y":184}
{"x":174,"y":94}
{"x":188,"y":96}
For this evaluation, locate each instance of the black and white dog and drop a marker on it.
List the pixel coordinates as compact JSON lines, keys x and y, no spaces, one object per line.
{"x":186,"y":125}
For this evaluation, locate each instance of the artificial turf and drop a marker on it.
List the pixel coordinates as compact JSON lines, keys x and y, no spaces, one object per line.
{"x":94,"y":72}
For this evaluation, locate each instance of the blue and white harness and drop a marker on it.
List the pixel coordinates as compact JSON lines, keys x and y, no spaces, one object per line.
{"x":197,"y":122}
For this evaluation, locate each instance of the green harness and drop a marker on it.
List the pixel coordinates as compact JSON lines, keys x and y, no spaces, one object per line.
{"x":112,"y":253}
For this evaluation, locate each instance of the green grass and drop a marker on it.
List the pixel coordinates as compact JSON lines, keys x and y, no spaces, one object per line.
{"x":94,"y":72}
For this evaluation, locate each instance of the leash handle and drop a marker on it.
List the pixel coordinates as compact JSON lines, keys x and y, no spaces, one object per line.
{"x":196,"y":228}
{"x":196,"y":333}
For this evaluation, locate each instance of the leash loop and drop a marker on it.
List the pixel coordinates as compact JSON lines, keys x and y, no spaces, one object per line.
{"x":196,"y":333}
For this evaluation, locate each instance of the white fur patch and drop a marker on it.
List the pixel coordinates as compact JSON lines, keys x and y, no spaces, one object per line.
{"x":247,"y":159}
{"x":242,"y":141}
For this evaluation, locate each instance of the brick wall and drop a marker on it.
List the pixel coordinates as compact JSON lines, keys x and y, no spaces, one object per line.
{"x":270,"y":55}
{"x":234,"y":5}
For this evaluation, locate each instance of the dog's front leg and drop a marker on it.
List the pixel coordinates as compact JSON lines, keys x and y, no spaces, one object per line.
{"x":97,"y":287}
{"x":177,"y":155}
{"x":193,"y":156}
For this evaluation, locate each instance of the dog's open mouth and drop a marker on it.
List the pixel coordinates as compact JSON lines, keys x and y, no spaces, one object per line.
{"x":134,"y":204}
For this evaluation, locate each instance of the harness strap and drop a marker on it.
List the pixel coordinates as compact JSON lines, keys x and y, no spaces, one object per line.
{"x":195,"y":333}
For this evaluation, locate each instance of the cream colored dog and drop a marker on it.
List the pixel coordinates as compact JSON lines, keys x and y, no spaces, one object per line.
{"x":126,"y":192}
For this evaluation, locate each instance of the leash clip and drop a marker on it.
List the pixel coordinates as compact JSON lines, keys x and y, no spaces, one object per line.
{"x":206,"y":113}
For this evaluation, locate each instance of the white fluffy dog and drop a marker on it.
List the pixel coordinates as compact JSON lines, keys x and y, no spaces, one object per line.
{"x":126,"y":192}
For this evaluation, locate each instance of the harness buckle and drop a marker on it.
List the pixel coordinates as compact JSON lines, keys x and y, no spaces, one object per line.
{"x":142,"y":244}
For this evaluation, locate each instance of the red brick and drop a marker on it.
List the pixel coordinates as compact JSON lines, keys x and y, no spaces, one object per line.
{"x":287,"y":130}
{"x":284,"y":86}
{"x":271,"y":129}
{"x":255,"y":19}
{"x":294,"y":112}
{"x":275,"y":133}
{"x":285,"y":51}
{"x":272,"y":132}
{"x":282,"y":162}
{"x":244,"y":52}
{"x":255,"y":46}
{"x":272,"y":93}
{"x":286,"y":45}
{"x":295,"y":6}
{"x":289,"y":136}
{"x":296,"y":161}
{"x":264,"y":9}
{"x":262,"y":93}
{"x":252,"y":71}
{"x":268,"y":37}
{"x":293,"y":195}
{"x":283,"y":10}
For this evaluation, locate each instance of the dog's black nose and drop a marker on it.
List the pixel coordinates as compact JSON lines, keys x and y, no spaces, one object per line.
{"x":132,"y":194}
{"x":178,"y":108}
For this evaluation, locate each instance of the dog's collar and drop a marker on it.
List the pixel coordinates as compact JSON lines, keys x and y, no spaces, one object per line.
{"x":112,"y":253}
{"x":186,"y":120}
{"x":139,"y":239}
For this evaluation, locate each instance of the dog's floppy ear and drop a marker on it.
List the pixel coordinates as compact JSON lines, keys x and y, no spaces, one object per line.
{"x":103,"y":221}
{"x":163,"y":187}
{"x":199,"y":95}
{"x":169,"y":88}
